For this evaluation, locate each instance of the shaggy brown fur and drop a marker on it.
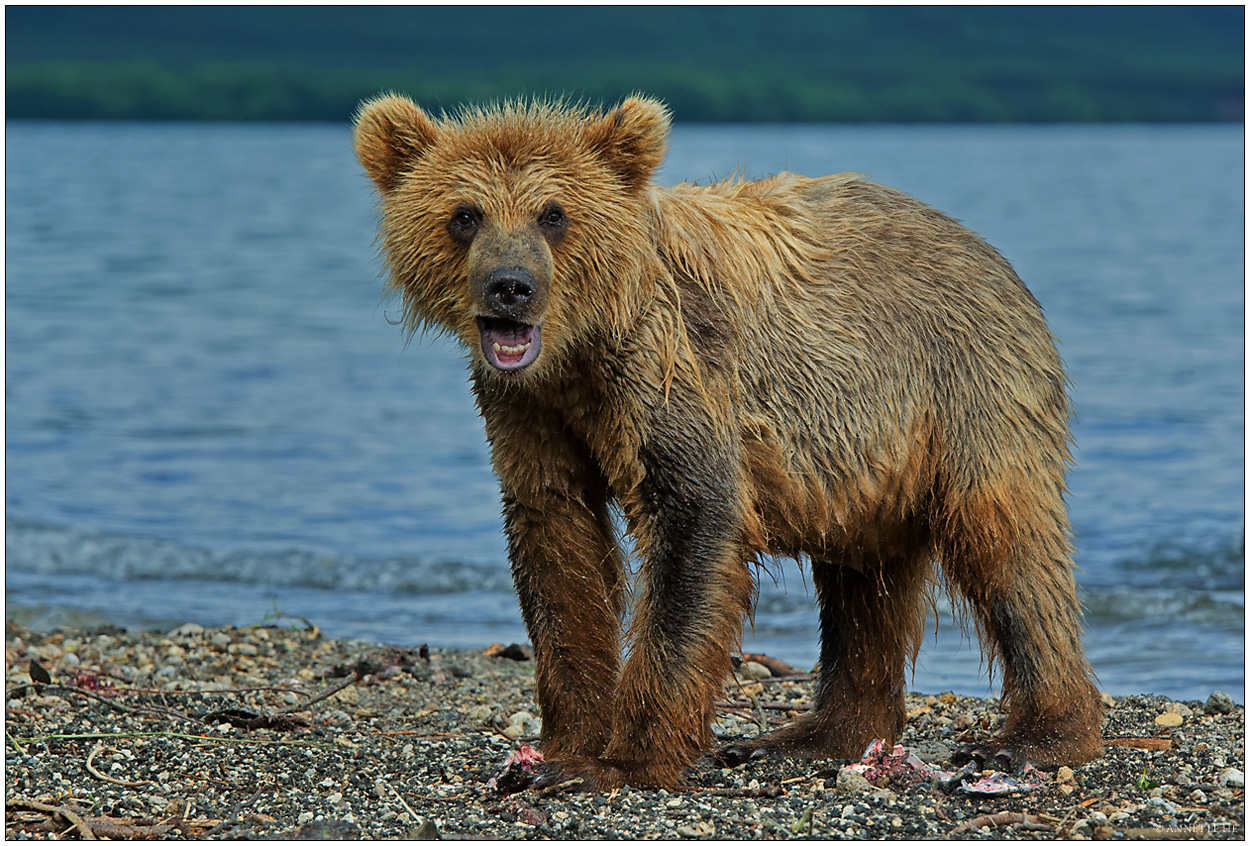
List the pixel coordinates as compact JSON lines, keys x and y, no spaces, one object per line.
{"x":820,"y":368}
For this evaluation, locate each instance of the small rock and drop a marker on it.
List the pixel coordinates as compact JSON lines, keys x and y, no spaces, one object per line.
{"x":1160,"y":806}
{"x":850,"y":781}
{"x":522,"y":723}
{"x":1219,"y":702}
{"x":426,"y":831}
{"x":478,"y":714}
{"x":934,"y":751}
{"x":1232,"y":777}
{"x":1169,"y":720}
{"x":514,"y":652}
{"x":1179,"y":708}
{"x":752,"y":670}
{"x":698,"y":830}
{"x":187,"y":630}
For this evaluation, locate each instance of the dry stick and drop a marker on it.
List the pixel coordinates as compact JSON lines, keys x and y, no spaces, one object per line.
{"x":301,"y":706}
{"x":202,"y":738}
{"x":234,"y":814}
{"x":999,"y":819}
{"x":76,"y":821}
{"x":100,"y":747}
{"x":159,"y":712}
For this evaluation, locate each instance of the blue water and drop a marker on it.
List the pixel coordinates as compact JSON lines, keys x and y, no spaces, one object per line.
{"x":211,"y":412}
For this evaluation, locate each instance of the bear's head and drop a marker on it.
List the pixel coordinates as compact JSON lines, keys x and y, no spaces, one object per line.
{"x":520,"y":227}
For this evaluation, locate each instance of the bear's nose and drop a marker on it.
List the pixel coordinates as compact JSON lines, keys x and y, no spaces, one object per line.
{"x":509,"y":288}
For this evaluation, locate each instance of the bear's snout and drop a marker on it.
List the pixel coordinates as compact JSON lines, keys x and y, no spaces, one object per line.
{"x":509,"y":290}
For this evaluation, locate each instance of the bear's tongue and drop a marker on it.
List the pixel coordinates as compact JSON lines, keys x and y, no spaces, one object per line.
{"x":509,"y":345}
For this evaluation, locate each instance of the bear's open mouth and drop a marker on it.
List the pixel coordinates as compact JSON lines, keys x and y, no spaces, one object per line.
{"x":507,"y":344}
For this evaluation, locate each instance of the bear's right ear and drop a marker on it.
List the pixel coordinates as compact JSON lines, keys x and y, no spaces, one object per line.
{"x":390,"y":131}
{"x":632,"y":139}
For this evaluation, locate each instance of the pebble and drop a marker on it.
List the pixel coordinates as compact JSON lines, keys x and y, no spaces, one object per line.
{"x":1160,"y":806}
{"x":479,"y":714}
{"x":752,"y":670}
{"x":934,"y":751}
{"x":1232,"y":777}
{"x":1179,"y":708}
{"x":522,"y":724}
{"x":1219,"y":702}
{"x":187,"y":630}
{"x":850,"y":781}
{"x":1169,"y":719}
{"x":698,"y":831}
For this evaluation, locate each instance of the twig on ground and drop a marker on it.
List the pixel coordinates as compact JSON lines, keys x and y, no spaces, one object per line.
{"x":100,"y":747}
{"x":1002,"y":818}
{"x":59,"y":810}
{"x":234,"y":814}
{"x":308,"y":703}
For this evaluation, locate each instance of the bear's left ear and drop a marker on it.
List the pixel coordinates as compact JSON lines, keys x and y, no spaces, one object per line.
{"x":632,"y":139}
{"x":391,"y":131}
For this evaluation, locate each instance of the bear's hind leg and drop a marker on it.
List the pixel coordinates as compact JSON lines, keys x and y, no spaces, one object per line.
{"x":1022,"y":589}
{"x":871,"y":624}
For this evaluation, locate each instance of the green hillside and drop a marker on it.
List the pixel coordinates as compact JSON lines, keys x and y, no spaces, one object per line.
{"x":709,"y":63}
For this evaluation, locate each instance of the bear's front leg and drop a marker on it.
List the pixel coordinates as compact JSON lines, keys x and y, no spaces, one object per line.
{"x":570,"y":581}
{"x":694,"y":590}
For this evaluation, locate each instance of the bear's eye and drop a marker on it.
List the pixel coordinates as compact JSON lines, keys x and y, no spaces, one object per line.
{"x":463,"y":224}
{"x":553,"y":220}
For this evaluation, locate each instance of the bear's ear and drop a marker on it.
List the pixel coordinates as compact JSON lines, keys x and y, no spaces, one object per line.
{"x":632,"y":139}
{"x":391,"y":131}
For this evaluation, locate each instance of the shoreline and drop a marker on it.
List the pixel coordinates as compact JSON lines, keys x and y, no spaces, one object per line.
{"x":227,"y":733}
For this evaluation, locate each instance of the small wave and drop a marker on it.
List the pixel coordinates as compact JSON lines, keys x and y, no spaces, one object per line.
{"x":50,"y":550}
{"x":1221,"y":609}
{"x":1214,"y":565}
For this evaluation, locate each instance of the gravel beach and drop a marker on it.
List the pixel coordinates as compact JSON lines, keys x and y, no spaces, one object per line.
{"x":277,"y":732}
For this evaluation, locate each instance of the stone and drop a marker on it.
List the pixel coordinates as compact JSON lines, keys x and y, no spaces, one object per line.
{"x":1219,"y":702}
{"x":752,"y":670}
{"x":850,"y":781}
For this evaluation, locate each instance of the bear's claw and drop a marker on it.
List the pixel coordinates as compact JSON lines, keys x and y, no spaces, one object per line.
{"x":735,"y":754}
{"x":1005,"y":758}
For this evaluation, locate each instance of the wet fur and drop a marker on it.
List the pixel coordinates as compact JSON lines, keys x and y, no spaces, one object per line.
{"x":823,"y":369}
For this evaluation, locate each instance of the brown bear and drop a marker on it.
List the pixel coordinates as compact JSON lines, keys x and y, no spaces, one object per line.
{"x":821,"y":369}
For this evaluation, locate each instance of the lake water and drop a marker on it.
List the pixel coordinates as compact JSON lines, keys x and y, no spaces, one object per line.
{"x":211,"y":414}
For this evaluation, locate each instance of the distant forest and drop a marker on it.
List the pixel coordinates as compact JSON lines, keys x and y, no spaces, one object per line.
{"x":732,"y":64}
